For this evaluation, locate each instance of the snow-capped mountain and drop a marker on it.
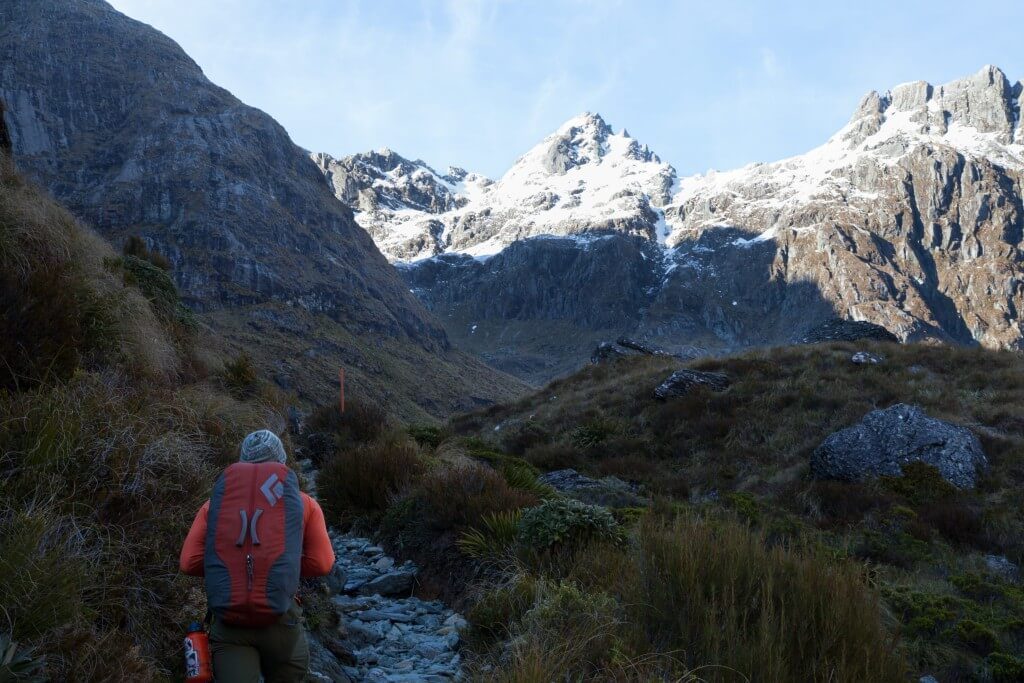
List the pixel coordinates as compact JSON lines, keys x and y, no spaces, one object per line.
{"x":910,"y":216}
{"x":977,"y":117}
{"x":582,"y":179}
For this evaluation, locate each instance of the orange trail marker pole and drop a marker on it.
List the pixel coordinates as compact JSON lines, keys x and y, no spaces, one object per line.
{"x":341,"y":390}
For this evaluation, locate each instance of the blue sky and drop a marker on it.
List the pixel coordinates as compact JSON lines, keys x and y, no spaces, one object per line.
{"x":476,"y":83}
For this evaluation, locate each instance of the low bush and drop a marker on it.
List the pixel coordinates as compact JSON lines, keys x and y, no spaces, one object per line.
{"x":136,"y":248}
{"x":564,"y":523}
{"x":361,"y":423}
{"x":564,"y":612}
{"x":958,"y":523}
{"x":978,"y":637}
{"x":428,"y":436}
{"x":594,"y":433}
{"x":1006,"y":668}
{"x":460,"y":496}
{"x":366,"y":480}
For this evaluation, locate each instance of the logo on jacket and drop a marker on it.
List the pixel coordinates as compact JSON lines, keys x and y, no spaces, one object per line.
{"x":272,"y":489}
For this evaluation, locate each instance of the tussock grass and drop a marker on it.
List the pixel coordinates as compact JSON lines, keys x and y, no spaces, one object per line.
{"x":691,"y":599}
{"x":62,"y":307}
{"x":104,"y":455}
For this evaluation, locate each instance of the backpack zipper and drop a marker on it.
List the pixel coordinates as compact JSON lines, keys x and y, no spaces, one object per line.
{"x":249,"y":564}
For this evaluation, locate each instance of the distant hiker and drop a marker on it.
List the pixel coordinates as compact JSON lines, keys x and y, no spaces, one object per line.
{"x":252,"y":541}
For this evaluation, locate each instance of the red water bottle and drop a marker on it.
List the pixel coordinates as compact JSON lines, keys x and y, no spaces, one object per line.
{"x":198,"y":662}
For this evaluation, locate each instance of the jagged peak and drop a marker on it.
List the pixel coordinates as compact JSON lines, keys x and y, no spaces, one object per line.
{"x":985,"y":101}
{"x":584,"y":121}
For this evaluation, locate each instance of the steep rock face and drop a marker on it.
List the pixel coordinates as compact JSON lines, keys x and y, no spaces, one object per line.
{"x":910,"y":217}
{"x":123,"y":128}
{"x":396,"y":200}
{"x":126,"y":131}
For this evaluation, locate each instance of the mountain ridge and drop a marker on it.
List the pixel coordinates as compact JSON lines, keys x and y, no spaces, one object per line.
{"x":909,"y":216}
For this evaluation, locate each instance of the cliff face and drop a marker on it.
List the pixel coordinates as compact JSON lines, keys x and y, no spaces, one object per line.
{"x":125,"y":130}
{"x":910,"y":216}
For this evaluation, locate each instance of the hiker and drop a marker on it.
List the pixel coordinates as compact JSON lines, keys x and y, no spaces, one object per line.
{"x":252,"y":541}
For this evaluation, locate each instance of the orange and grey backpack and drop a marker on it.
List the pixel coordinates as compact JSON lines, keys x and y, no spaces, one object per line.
{"x":253,"y":543}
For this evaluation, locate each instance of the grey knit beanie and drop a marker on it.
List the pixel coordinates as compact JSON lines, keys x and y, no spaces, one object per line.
{"x":262,"y":446}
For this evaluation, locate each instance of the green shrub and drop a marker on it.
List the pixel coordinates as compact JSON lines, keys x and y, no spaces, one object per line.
{"x":493,"y":536}
{"x":978,"y":637}
{"x":566,"y":612}
{"x":1006,"y":668}
{"x":429,"y":436}
{"x":154,"y":283}
{"x":745,"y":505}
{"x":135,"y":247}
{"x":594,"y":433}
{"x":565,"y":522}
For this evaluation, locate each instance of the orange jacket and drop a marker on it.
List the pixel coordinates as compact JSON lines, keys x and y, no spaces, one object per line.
{"x":317,"y":552}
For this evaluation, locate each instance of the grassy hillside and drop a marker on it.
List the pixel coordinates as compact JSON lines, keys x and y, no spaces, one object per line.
{"x":304,"y":351}
{"x":740,"y":567}
{"x":113,"y":423}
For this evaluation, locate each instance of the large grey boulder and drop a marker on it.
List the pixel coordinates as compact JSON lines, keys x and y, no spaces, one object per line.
{"x":885,"y":440}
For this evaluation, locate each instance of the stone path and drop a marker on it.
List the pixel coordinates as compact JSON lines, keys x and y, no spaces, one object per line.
{"x":393,"y":636}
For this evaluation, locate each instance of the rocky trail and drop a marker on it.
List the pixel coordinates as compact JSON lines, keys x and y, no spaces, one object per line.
{"x":386,"y":635}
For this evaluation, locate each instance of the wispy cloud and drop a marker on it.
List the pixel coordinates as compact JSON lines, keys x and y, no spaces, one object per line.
{"x":477,"y":82}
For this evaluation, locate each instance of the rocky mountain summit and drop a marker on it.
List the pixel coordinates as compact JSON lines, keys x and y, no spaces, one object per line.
{"x":910,"y":217}
{"x":582,"y":179}
{"x":125,"y":130}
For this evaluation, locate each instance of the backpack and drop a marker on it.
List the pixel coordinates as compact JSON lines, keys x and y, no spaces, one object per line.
{"x":253,"y":543}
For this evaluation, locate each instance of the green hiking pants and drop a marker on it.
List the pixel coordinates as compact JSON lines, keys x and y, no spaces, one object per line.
{"x":279,"y":651}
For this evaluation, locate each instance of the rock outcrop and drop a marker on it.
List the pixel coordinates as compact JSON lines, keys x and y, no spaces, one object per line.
{"x":681,"y":382}
{"x":5,"y":137}
{"x":885,"y":440}
{"x":847,"y":330}
{"x":607,"y":491}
